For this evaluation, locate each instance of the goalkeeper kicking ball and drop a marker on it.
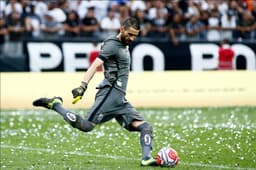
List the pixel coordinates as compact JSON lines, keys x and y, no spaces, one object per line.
{"x":167,"y":157}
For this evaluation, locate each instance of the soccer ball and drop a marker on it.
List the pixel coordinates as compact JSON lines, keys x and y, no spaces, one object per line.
{"x":167,"y":157}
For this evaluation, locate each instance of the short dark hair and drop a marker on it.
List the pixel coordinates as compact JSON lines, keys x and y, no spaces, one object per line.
{"x":131,"y":22}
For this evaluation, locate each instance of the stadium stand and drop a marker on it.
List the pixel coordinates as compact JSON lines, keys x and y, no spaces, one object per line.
{"x":179,"y":20}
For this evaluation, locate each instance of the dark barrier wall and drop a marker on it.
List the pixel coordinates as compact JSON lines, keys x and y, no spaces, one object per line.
{"x":61,"y":55}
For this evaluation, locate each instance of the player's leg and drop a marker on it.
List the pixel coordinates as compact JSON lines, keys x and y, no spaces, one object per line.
{"x":94,"y":116}
{"x":146,"y":141}
{"x":133,"y":121}
{"x":73,"y":119}
{"x":107,"y":103}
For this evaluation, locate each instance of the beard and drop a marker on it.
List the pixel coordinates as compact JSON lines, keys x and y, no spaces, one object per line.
{"x":125,"y":40}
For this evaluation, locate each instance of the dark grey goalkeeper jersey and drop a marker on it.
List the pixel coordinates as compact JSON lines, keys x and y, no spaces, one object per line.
{"x":110,"y":102}
{"x":116,"y":57}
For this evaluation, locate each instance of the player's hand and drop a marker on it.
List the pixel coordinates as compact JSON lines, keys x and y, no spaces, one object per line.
{"x":79,"y":92}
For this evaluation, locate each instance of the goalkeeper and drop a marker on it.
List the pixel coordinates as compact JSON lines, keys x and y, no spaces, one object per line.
{"x":110,"y":99}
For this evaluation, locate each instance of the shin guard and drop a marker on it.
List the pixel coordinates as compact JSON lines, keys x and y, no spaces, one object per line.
{"x":146,"y":139}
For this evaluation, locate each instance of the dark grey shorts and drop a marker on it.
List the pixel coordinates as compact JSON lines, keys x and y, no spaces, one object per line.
{"x":111,"y":103}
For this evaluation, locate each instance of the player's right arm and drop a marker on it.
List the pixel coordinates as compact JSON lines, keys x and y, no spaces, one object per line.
{"x":108,"y":49}
{"x":92,"y":70}
{"x":79,"y":91}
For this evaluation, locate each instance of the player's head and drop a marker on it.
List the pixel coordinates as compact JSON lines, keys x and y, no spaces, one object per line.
{"x":129,"y":30}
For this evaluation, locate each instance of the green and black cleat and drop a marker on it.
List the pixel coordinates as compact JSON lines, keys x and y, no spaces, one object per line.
{"x":149,"y":162}
{"x":47,"y":102}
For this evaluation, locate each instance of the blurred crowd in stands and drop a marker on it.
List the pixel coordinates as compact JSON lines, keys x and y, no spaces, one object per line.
{"x":176,"y":20}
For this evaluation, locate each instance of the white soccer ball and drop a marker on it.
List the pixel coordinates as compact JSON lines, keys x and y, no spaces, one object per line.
{"x":167,"y":157}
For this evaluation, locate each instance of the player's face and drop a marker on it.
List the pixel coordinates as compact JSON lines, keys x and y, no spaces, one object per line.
{"x":129,"y":35}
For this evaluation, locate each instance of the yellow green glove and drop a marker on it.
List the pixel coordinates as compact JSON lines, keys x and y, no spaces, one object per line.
{"x":79,"y":92}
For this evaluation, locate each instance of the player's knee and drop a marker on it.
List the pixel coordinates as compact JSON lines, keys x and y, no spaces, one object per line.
{"x":86,"y":126}
{"x":145,"y":128}
{"x":148,"y":128}
{"x":78,"y":122}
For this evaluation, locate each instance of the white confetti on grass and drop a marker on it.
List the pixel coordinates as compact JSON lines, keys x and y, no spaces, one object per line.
{"x":66,"y":153}
{"x":178,"y":125}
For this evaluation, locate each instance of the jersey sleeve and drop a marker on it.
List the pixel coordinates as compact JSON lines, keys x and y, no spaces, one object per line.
{"x":107,"y":50}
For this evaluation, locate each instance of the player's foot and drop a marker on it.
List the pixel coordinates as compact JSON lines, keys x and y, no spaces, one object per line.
{"x":47,"y":102}
{"x":149,"y":162}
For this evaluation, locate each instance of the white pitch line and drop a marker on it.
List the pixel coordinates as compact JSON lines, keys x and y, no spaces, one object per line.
{"x":115,"y":157}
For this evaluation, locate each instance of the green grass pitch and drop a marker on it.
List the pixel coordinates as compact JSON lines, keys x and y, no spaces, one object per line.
{"x":205,"y":138}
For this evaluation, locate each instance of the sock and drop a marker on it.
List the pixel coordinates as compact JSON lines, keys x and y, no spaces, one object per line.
{"x":73,"y":119}
{"x":146,"y":140}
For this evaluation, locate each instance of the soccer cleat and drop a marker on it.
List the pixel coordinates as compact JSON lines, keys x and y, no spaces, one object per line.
{"x":47,"y":102}
{"x":149,"y":162}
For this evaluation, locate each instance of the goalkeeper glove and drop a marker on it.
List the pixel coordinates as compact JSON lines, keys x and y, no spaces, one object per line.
{"x":79,"y":92}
